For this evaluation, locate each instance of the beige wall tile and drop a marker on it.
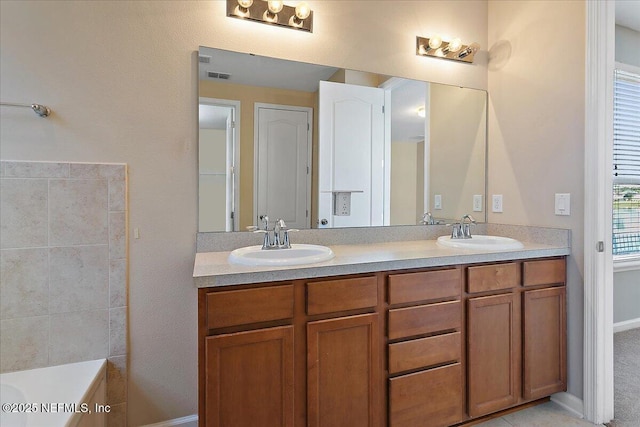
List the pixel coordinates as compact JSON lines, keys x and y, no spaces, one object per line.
{"x":117,"y":417}
{"x":118,"y":331}
{"x":78,"y":212}
{"x":117,"y":235}
{"x":36,"y":169}
{"x":23,"y":213}
{"x":117,"y":282}
{"x":24,"y":286}
{"x":79,"y":278}
{"x":117,"y":195}
{"x":116,"y":380}
{"x":97,"y":171}
{"x":24,"y":343}
{"x":78,"y":336}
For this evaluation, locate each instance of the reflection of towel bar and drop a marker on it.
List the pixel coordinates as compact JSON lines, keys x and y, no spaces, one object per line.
{"x":342,"y":191}
{"x":39,"y":109}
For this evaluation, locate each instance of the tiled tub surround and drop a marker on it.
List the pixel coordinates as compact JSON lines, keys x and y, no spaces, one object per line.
{"x":364,"y":250}
{"x":63,"y":269}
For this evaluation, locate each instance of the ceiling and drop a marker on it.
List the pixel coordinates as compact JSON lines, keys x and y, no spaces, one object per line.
{"x":628,"y":14}
{"x":255,"y":70}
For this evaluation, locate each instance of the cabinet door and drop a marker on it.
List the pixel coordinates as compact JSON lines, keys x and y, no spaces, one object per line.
{"x":429,"y":398}
{"x":493,"y":343}
{"x":344,"y":372}
{"x":544,"y":358}
{"x":249,"y":378}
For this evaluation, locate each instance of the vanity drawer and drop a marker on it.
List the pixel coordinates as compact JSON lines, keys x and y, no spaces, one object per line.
{"x":545,"y":272}
{"x":492,"y":277}
{"x":413,"y":287}
{"x":344,"y":294}
{"x":424,"y":352}
{"x":245,"y":306}
{"x":424,"y":319}
{"x":427,"y":398}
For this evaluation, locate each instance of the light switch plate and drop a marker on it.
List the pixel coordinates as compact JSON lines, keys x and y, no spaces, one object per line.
{"x":563,"y":204}
{"x":477,"y":202}
{"x":437,"y":201}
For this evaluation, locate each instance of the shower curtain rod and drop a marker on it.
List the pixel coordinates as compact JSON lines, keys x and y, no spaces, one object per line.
{"x":39,"y":109}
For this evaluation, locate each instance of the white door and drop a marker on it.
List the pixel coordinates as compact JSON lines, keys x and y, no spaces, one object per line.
{"x":283,"y":149}
{"x":351,"y":153}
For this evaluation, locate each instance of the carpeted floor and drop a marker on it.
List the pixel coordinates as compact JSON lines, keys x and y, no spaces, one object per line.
{"x":626,"y":371}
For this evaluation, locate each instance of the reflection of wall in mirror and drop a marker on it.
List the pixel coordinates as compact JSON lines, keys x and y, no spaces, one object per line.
{"x":407,"y":182}
{"x":212,"y":180}
{"x":248,"y":95}
{"x":455,"y":163}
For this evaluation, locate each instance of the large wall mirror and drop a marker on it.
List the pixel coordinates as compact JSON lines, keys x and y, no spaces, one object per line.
{"x":327,"y":147}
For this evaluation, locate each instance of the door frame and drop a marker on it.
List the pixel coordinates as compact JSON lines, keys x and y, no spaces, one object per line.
{"x":235,"y":105}
{"x":598,"y":265}
{"x":256,"y":122}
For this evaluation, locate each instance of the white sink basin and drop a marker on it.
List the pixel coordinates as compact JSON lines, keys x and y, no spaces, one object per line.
{"x":480,"y":242}
{"x":298,"y":254}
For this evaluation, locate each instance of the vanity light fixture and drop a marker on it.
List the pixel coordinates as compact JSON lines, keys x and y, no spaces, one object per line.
{"x":435,"y":47}
{"x":273,"y":12}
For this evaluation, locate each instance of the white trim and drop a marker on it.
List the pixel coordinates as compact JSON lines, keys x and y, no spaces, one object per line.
{"x":621,"y":264}
{"x":626,"y":325}
{"x":188,"y":421}
{"x":235,"y":105}
{"x":627,"y":67}
{"x":570,"y":403}
{"x":598,"y":266}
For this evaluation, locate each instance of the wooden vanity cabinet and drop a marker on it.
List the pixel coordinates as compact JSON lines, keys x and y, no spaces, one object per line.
{"x":424,"y":355}
{"x":432,"y":347}
{"x":516,"y":333}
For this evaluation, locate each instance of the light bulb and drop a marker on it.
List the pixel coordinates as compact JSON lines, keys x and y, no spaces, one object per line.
{"x":454,"y":45}
{"x":435,"y":42}
{"x":303,"y":11}
{"x":275,"y":6}
{"x":245,"y":3}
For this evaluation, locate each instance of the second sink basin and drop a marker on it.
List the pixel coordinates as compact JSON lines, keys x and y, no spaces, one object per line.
{"x":481,"y":242}
{"x":298,"y":254}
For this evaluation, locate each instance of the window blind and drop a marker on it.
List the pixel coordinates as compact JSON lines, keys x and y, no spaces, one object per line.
{"x":626,"y":164}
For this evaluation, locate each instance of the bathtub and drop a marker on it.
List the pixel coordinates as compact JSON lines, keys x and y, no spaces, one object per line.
{"x":72,"y":395}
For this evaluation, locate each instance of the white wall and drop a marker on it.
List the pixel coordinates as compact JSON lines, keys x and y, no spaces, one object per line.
{"x":536,"y":131}
{"x":121,"y":78}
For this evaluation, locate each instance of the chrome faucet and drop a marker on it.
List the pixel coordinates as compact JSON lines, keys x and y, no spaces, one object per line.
{"x":427,"y":219}
{"x":277,"y":237}
{"x":462,"y":229}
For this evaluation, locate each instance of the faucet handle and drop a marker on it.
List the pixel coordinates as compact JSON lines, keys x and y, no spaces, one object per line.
{"x":286,"y":242}
{"x":456,"y":230}
{"x":265,"y":221}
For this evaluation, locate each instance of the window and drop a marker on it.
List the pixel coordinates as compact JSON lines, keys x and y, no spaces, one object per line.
{"x":626,"y":164}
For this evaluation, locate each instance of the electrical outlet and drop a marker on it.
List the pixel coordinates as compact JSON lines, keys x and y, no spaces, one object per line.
{"x":496,"y":204}
{"x":477,"y":202}
{"x":437,"y":201}
{"x":342,"y":204}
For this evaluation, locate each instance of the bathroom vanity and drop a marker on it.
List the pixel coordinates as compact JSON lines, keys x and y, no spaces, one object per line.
{"x":397,"y":334}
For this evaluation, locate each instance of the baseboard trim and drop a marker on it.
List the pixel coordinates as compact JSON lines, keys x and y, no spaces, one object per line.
{"x":569,"y":402}
{"x":626,"y":325}
{"x":188,"y":421}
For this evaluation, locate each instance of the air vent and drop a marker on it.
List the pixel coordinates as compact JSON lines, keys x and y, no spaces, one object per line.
{"x":204,"y":59}
{"x":216,"y":75}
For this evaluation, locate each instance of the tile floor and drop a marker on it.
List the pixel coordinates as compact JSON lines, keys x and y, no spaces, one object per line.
{"x":547,"y":414}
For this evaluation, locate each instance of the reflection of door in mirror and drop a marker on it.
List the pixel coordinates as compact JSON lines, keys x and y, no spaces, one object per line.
{"x":216,"y":164}
{"x":283,"y":164}
{"x":351,"y":154}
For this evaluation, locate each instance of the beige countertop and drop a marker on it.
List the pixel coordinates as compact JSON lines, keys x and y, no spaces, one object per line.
{"x":213,"y":269}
